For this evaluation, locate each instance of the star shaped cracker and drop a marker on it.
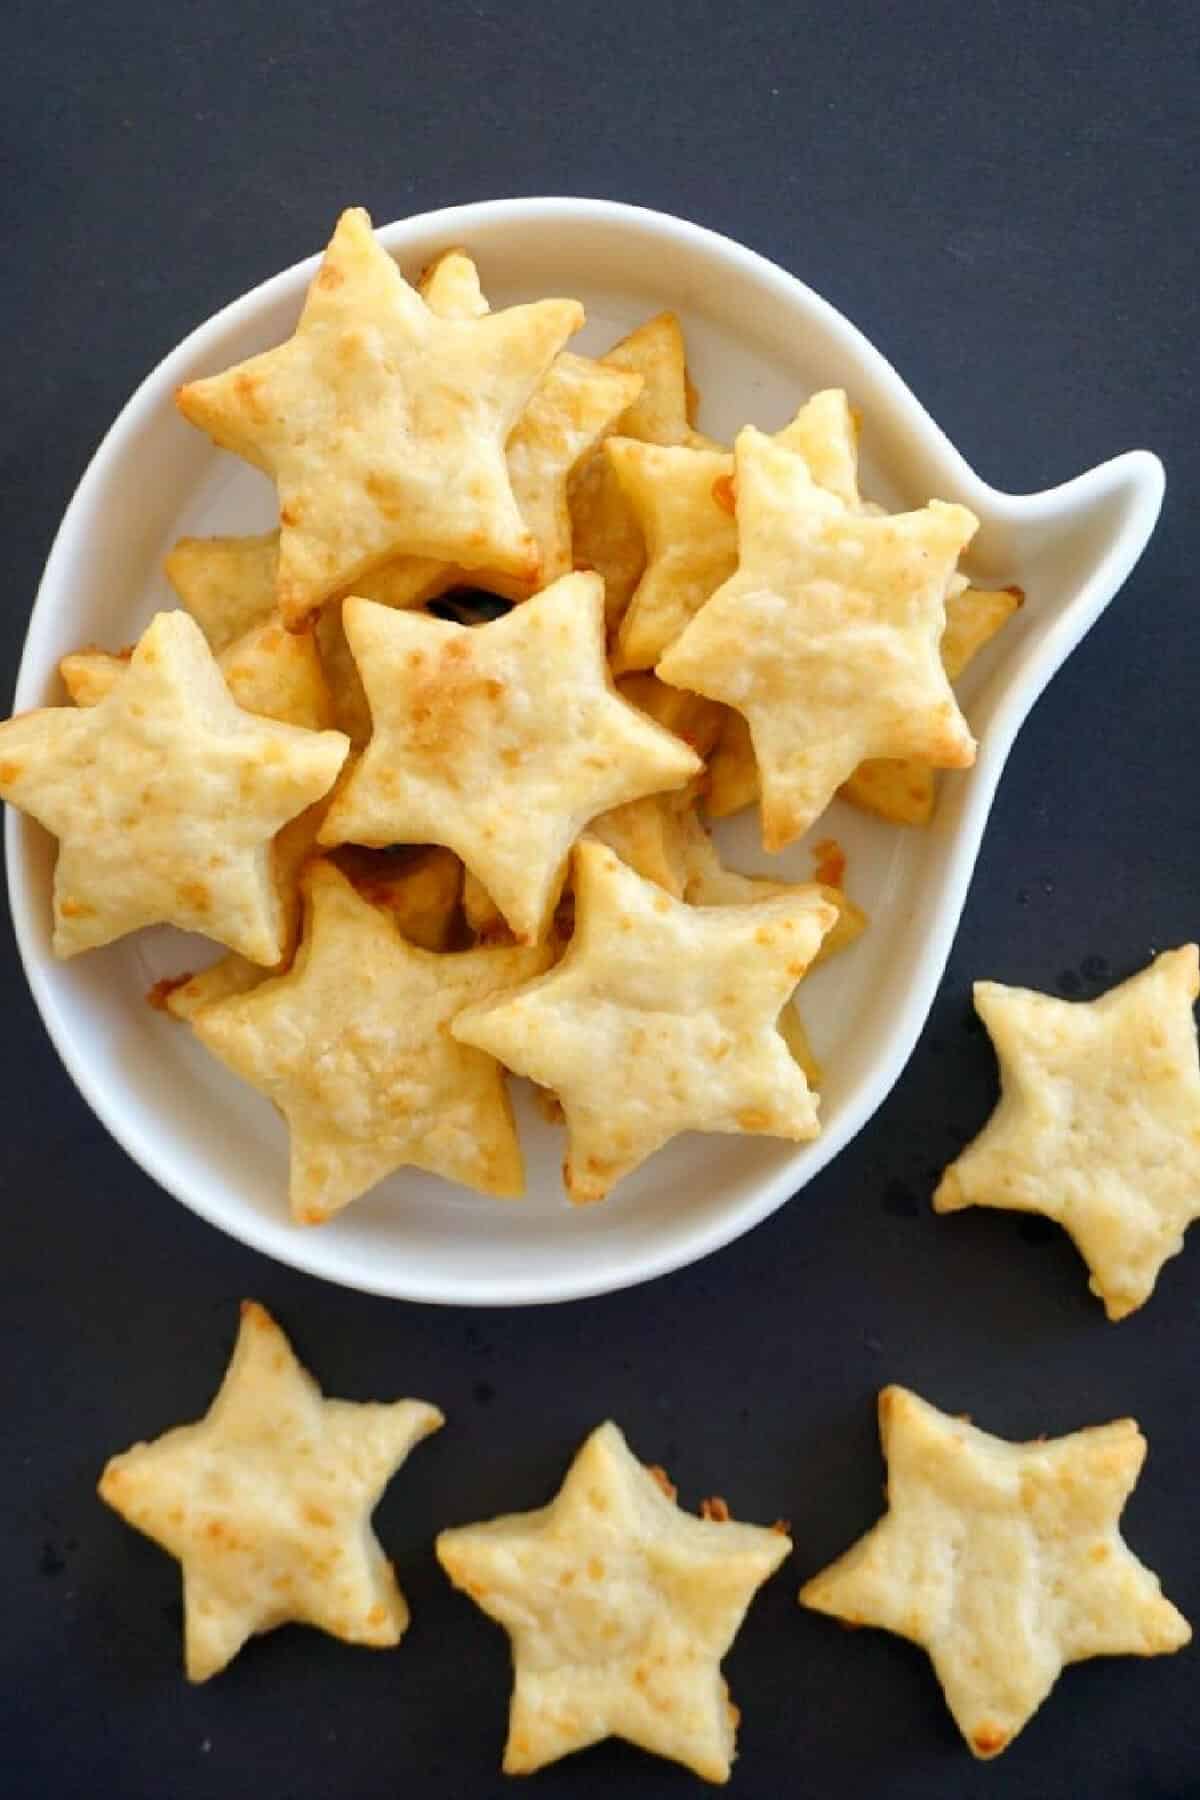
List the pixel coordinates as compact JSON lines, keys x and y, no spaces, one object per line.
{"x":1098,"y":1125}
{"x":904,"y":790}
{"x":680,"y":498}
{"x":605,"y":532}
{"x":269,"y":671}
{"x":660,"y":1018}
{"x":579,"y":401}
{"x":620,"y":1607}
{"x":228,"y":586}
{"x":1004,"y":1561}
{"x":826,"y":639}
{"x":419,"y":891}
{"x":384,"y":426}
{"x":165,"y":798}
{"x":500,"y":741}
{"x":696,"y":720}
{"x":650,"y":834}
{"x":226,"y":583}
{"x":650,"y":837}
{"x":353,"y":1047}
{"x":450,"y":286}
{"x":707,"y":882}
{"x":684,"y":501}
{"x":266,"y":1504}
{"x":901,"y":790}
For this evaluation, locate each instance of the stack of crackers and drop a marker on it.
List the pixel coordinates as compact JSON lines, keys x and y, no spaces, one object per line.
{"x":435,"y":761}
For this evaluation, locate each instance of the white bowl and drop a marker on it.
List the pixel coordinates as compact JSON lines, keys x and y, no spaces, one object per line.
{"x":758,"y":342}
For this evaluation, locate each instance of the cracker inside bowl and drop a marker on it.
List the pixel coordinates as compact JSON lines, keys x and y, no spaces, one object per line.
{"x":755,"y":331}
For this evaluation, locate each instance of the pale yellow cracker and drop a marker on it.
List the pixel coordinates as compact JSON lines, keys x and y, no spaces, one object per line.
{"x":451,"y":288}
{"x":827,"y":637}
{"x":1004,"y":1561}
{"x":899,"y":789}
{"x":605,"y":534}
{"x":226,"y":583}
{"x":649,"y":836}
{"x":973,"y":617}
{"x":794,"y":1033}
{"x":655,"y":351}
{"x":679,"y":498}
{"x":825,"y":433}
{"x":419,"y":891}
{"x":577,"y":403}
{"x":89,"y":676}
{"x":485,"y":921}
{"x":659,"y":1019}
{"x":383,"y":425}
{"x":272,"y":672}
{"x":165,"y":798}
{"x":228,"y":586}
{"x":341,"y":672}
{"x":500,"y":741}
{"x":276,"y":674}
{"x":692,"y":398}
{"x":574,"y":406}
{"x":266,"y":1504}
{"x":1098,"y":1125}
{"x":732,"y":770}
{"x":697,"y":721}
{"x":707,"y":882}
{"x":353,"y":1047}
{"x":904,"y":791}
{"x":482,"y":915}
{"x":620,"y":1607}
{"x":684,"y":500}
{"x":228,"y":976}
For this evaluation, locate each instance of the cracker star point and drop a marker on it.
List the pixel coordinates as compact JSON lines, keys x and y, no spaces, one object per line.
{"x":620,"y":1608}
{"x":353,"y":1046}
{"x":165,"y":797}
{"x":1099,"y":1121}
{"x":684,"y":1001}
{"x":384,"y":425}
{"x":266,"y":1503}
{"x":826,"y":637}
{"x":500,"y":741}
{"x":1003,"y":1561}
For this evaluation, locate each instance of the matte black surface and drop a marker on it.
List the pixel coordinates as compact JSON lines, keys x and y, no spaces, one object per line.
{"x":1003,"y":197}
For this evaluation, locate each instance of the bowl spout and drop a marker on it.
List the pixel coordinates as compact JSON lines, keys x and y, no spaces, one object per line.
{"x":1071,"y":548}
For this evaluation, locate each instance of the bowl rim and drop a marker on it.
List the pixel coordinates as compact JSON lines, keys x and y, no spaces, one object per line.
{"x":687,"y":1244}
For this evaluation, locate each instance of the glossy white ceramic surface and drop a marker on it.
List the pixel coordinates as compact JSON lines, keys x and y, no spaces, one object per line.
{"x":758,"y":343}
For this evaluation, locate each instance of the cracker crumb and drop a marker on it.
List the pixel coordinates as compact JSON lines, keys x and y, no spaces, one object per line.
{"x":830,"y":860}
{"x":660,"y":1477}
{"x":157,"y":995}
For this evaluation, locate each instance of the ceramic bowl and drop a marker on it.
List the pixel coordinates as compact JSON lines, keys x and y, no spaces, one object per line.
{"x":758,"y":342}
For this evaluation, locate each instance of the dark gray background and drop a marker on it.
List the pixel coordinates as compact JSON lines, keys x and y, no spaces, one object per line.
{"x":1003,"y":196}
